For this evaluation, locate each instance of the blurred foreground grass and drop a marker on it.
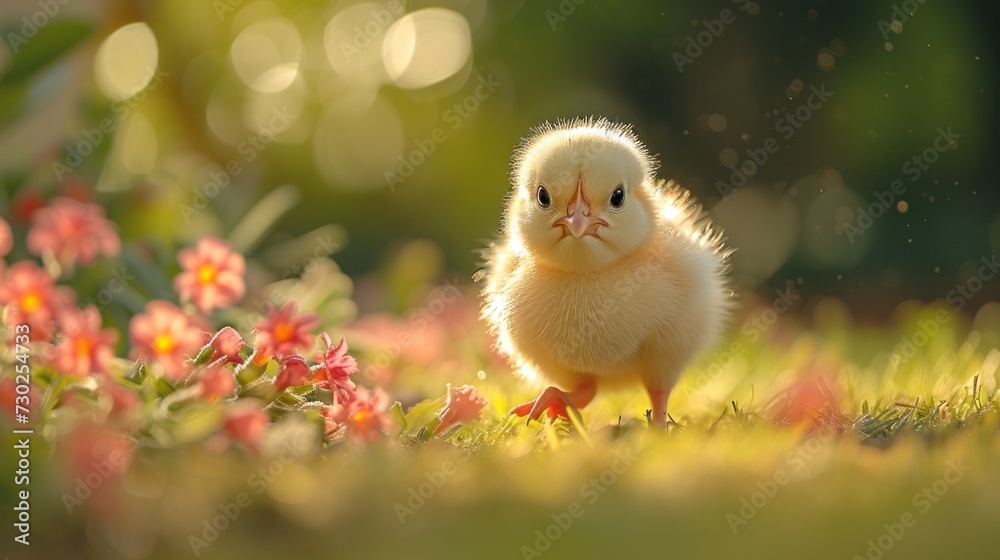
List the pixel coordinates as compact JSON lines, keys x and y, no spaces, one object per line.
{"x":834,"y":440}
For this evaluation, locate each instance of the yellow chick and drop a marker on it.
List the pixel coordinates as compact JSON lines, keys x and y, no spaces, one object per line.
{"x":601,"y":274}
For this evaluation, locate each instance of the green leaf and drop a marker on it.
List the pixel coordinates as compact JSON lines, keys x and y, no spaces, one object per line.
{"x":49,"y":43}
{"x":138,"y":376}
{"x":397,"y":414}
{"x":148,"y":274}
{"x":14,"y":100}
{"x":204,"y":355}
{"x":427,"y":432}
{"x":288,"y":398}
{"x":248,"y":374}
{"x":324,"y":396}
{"x":264,"y":215}
{"x":422,"y":413}
{"x":263,"y":391}
{"x":577,"y":420}
{"x":195,"y":422}
{"x":163,"y":387}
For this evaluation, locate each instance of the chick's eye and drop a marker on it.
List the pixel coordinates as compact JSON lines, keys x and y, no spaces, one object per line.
{"x":618,"y":197}
{"x":543,"y":198}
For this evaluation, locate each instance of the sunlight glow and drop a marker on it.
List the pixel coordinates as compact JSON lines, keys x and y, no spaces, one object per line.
{"x":126,"y":61}
{"x":353,"y":37}
{"x":426,"y":47}
{"x":266,"y":55}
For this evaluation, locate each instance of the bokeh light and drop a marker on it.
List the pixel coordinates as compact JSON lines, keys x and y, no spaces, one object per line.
{"x":126,"y":60}
{"x":266,"y":55}
{"x":426,"y":47}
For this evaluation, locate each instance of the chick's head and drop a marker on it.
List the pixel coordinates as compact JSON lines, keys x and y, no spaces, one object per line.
{"x":581,"y":196}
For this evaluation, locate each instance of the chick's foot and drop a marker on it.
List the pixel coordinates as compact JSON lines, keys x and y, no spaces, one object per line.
{"x":554,"y":402}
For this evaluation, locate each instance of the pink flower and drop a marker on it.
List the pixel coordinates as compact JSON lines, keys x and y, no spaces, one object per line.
{"x":365,"y":417}
{"x":294,"y":372}
{"x":167,"y":336}
{"x":333,"y":417}
{"x":246,"y":422}
{"x":6,"y":238}
{"x":283,"y":332}
{"x":31,"y":297}
{"x":71,"y":232}
{"x":215,"y":381}
{"x":227,"y":343}
{"x":463,"y":403}
{"x":809,"y":400}
{"x":84,"y":347}
{"x":336,"y":367}
{"x":212,"y":275}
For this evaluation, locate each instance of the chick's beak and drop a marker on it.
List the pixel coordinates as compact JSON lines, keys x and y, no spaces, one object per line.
{"x":578,"y":221}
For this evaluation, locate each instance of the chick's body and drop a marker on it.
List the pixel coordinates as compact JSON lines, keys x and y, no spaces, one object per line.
{"x":601,"y":275}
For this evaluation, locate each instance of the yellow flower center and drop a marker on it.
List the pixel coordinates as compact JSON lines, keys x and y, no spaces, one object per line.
{"x":283,"y":331}
{"x":163,"y":344}
{"x":207,"y":273}
{"x":30,"y":302}
{"x":362,"y":419}
{"x":83,"y":346}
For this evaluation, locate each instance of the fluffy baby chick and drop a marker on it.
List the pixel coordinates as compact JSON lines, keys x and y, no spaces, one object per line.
{"x":602,"y":275}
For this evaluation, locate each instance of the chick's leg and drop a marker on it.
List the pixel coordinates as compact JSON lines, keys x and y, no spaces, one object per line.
{"x":658,"y":398}
{"x":554,"y":401}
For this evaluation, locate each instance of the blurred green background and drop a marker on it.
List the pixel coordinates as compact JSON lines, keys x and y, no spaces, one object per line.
{"x":363,"y":86}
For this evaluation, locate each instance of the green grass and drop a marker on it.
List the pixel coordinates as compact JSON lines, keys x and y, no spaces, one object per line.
{"x":810,"y":444}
